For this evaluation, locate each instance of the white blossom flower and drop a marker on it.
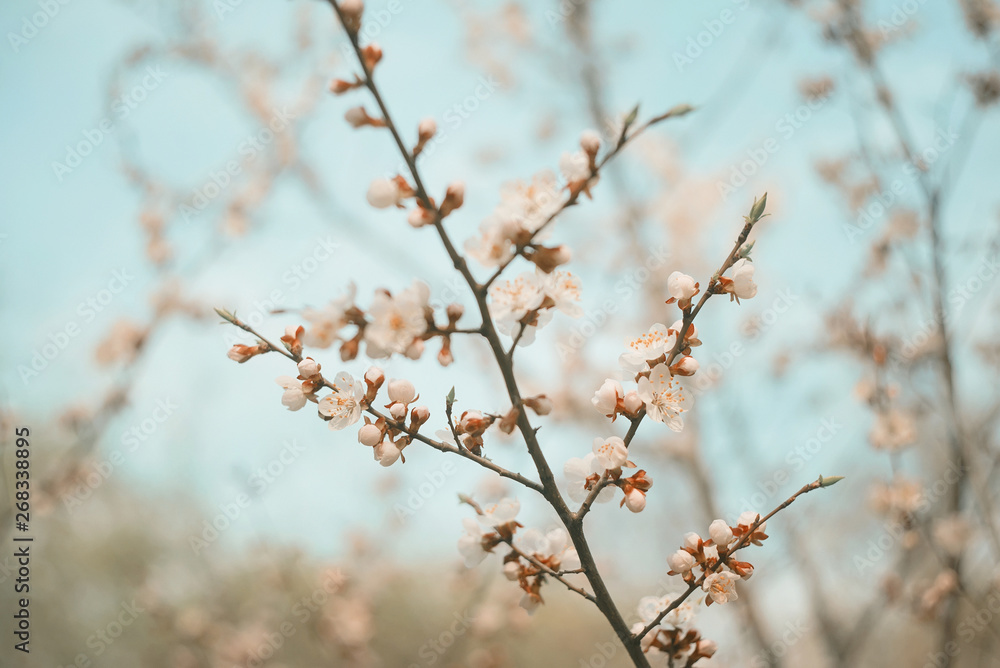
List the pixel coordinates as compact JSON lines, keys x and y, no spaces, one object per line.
{"x":650,"y":607}
{"x":492,"y":247}
{"x":721,"y":586}
{"x":590,"y":141}
{"x":747,"y":519}
{"x":470,"y":546}
{"x":383,"y":193}
{"x":555,"y":543}
{"x":343,"y":405}
{"x":574,"y":166}
{"x":720,"y":533}
{"x":665,"y":400}
{"x":396,"y":320}
{"x":892,"y":431}
{"x":325,"y":323}
{"x":607,"y":397}
{"x":526,"y":206}
{"x":649,"y":346}
{"x":577,"y":471}
{"x":564,"y":289}
{"x":501,"y":512}
{"x":681,"y":286}
{"x":511,"y":301}
{"x":681,"y":561}
{"x":293,"y":398}
{"x":743,"y":285}
{"x":610,"y":452}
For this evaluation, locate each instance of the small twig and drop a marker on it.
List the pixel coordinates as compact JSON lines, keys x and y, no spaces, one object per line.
{"x":743,"y":542}
{"x":554,"y":574}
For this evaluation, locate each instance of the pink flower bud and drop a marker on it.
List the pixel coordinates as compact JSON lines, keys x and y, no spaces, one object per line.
{"x":308,"y":367}
{"x":633,"y":404}
{"x":369,"y":435}
{"x":383,"y":193}
{"x":401,"y":391}
{"x":635,"y":501}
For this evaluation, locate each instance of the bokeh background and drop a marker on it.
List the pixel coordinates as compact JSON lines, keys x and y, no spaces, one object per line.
{"x":121,"y":230}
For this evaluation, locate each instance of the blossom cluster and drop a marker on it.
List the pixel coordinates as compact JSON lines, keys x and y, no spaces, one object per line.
{"x":394,"y":324}
{"x":674,"y":634}
{"x":524,"y":304}
{"x":602,"y":469}
{"x":532,"y":556}
{"x":720,"y":570}
{"x":516,"y":225}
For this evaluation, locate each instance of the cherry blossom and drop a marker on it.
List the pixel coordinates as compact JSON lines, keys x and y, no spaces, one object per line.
{"x":396,"y":320}
{"x":384,"y":193}
{"x":742,"y":286}
{"x":681,"y":561}
{"x":649,"y":346}
{"x":681,"y":287}
{"x":501,"y":512}
{"x":387,"y":453}
{"x":470,"y":545}
{"x":635,"y":500}
{"x":581,"y":471}
{"x":343,"y":406}
{"x":564,"y":289}
{"x":369,"y":435}
{"x":608,"y":398}
{"x":720,"y":533}
{"x":721,"y":586}
{"x":664,"y":398}
{"x":324,"y":324}
{"x":611,"y":452}
{"x":293,"y":398}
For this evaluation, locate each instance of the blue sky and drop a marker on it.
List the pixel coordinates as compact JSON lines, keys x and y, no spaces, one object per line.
{"x":65,"y":239}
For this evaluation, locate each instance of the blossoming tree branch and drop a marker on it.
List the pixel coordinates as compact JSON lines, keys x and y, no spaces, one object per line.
{"x":510,"y":312}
